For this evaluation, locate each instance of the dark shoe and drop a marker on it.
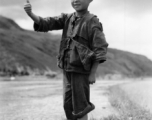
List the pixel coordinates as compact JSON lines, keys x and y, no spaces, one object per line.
{"x":89,"y":108}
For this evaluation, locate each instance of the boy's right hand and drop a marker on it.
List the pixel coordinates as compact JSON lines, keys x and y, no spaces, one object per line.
{"x":28,"y":7}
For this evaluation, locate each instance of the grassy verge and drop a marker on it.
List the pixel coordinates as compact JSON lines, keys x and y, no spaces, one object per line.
{"x":111,"y":117}
{"x":127,"y":109}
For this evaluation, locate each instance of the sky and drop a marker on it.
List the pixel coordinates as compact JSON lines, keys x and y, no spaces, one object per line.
{"x":127,"y":24}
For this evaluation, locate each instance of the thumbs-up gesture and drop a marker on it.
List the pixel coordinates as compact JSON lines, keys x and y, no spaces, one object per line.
{"x":28,"y":7}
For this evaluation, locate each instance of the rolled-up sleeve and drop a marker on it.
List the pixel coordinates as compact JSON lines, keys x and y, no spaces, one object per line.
{"x":98,"y":41}
{"x":50,"y":23}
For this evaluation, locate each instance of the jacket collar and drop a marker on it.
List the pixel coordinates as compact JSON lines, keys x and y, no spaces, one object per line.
{"x":87,"y":12}
{"x":74,"y":17}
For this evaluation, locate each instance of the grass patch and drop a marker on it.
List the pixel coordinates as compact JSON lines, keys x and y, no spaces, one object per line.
{"x":127,"y":109}
{"x":111,"y":117}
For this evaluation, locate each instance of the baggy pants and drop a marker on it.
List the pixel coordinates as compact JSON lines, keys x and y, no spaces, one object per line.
{"x":76,"y":95}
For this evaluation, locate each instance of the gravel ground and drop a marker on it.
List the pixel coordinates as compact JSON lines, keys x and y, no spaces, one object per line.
{"x":39,"y":98}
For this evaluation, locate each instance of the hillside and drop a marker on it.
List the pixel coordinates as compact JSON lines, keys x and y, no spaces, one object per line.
{"x":23,"y":50}
{"x":126,"y":64}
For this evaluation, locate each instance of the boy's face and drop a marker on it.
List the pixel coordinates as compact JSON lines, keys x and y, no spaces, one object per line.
{"x":80,"y":5}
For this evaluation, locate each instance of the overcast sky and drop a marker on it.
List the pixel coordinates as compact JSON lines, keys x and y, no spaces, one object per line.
{"x":127,"y":24}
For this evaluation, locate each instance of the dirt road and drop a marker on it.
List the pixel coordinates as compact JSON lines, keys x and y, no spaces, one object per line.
{"x":39,"y":98}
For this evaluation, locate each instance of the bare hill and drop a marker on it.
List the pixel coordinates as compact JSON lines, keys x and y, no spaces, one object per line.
{"x":6,"y":23}
{"x":23,"y":50}
{"x":126,"y":64}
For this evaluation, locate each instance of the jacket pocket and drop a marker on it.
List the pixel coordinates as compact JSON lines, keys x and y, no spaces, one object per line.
{"x":85,"y":55}
{"x":75,"y":58}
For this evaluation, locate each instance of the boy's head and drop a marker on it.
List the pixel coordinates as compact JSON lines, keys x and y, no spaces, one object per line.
{"x":80,"y":5}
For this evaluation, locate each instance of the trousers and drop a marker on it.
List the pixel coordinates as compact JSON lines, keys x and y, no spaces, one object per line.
{"x":76,"y":94}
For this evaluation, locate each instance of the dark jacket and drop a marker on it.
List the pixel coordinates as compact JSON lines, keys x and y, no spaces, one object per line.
{"x":88,"y":40}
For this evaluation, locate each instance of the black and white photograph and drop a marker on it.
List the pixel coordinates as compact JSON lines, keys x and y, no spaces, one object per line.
{"x":75,"y":59}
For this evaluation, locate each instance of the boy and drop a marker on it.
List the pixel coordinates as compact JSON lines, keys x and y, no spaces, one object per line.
{"x":82,"y":48}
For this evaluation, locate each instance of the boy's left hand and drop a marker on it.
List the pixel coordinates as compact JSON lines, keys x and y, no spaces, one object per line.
{"x":92,"y":78}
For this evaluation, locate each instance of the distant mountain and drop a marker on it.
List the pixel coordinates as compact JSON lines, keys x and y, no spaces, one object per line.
{"x":24,"y":50}
{"x":126,"y":64}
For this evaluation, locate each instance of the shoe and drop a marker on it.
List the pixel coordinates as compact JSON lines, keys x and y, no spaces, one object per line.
{"x":89,"y":108}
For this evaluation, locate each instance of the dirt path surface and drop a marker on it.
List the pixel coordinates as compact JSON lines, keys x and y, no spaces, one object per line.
{"x":39,"y":98}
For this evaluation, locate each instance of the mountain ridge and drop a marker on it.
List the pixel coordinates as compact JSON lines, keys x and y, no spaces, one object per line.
{"x":10,"y":24}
